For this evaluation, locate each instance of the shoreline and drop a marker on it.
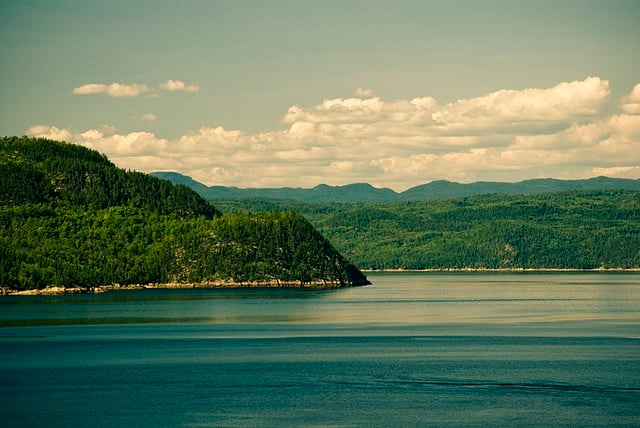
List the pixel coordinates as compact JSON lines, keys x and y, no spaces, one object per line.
{"x":227,"y":284}
{"x":313,"y":285}
{"x":504,"y":270}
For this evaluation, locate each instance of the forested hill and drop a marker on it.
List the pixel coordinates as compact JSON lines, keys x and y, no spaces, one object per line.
{"x":363,"y":192}
{"x":44,"y":171}
{"x":69,"y":217}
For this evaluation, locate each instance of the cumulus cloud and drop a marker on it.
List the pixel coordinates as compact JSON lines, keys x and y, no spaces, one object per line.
{"x":178,"y":85}
{"x":631,"y":103}
{"x":564,"y":101}
{"x":50,"y":132}
{"x":113,"y":90}
{"x":505,"y":111}
{"x":507,"y":135}
{"x":149,"y":117}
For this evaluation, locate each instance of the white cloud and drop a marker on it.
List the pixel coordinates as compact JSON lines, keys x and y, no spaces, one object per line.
{"x":565,"y":101}
{"x":119,"y":90}
{"x":113,"y":90}
{"x":507,"y":135}
{"x":149,"y":117}
{"x":92,"y":134}
{"x":50,"y":132}
{"x":178,"y":85}
{"x":502,"y":112}
{"x":364,"y":93}
{"x":631,"y":103}
{"x":618,"y":171}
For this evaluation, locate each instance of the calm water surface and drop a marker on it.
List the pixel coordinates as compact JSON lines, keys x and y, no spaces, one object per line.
{"x":410,"y":350}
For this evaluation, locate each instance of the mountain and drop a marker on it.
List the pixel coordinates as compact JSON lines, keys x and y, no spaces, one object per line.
{"x":362,"y":192}
{"x":184,"y":180}
{"x":69,"y":217}
{"x":447,"y":189}
{"x":365,"y":193}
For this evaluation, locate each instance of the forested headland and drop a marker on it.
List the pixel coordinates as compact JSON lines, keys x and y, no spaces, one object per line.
{"x":69,"y":217}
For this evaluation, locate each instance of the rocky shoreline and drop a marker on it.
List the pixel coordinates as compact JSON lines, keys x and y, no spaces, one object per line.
{"x":57,"y":290}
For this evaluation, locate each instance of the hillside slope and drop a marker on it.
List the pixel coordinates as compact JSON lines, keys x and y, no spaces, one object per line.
{"x":565,"y":230}
{"x":69,"y":217}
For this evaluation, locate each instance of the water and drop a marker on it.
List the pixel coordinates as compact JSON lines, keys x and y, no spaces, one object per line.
{"x":410,"y":350}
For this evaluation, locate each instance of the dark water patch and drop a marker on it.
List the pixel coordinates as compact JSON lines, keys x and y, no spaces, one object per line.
{"x":525,"y":388}
{"x":149,"y":320}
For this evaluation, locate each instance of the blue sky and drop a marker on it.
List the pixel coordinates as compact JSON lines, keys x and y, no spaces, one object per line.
{"x":297,"y":93}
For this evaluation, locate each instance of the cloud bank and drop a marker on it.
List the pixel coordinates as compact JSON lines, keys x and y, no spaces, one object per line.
{"x":507,"y":135}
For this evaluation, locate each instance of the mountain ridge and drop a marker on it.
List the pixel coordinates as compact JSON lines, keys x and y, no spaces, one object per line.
{"x":365,"y":192}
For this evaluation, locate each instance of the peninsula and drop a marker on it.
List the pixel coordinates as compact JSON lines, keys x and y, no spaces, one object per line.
{"x":71,"y":221}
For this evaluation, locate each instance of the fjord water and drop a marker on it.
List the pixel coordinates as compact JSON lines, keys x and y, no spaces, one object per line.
{"x":413,"y":349}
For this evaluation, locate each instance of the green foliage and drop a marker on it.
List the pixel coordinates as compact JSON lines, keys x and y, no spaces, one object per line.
{"x":276,"y":246}
{"x":572,"y":230}
{"x":43,"y":246}
{"x":77,"y":220}
{"x":39,"y":170}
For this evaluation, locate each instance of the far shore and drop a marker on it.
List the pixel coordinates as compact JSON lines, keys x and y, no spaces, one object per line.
{"x":505,"y":270}
{"x":58,"y":290}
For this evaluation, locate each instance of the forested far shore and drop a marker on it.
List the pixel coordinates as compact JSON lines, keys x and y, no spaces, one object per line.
{"x":504,"y":270}
{"x":576,"y":230}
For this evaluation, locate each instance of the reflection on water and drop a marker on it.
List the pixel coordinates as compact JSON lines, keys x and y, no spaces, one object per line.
{"x":516,"y":304}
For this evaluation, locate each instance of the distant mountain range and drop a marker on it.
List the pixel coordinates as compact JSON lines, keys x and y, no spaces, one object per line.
{"x":364,"y":192}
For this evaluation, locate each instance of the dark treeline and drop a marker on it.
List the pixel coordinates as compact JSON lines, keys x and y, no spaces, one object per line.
{"x":69,"y":217}
{"x":567,"y":230}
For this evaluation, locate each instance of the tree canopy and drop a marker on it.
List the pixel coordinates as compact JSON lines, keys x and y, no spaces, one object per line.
{"x":589,"y":229}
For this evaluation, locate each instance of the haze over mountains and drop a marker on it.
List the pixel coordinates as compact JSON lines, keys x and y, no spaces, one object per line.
{"x":364,"y":192}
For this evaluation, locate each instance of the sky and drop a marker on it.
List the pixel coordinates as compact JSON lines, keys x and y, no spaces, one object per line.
{"x":298,"y":93}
